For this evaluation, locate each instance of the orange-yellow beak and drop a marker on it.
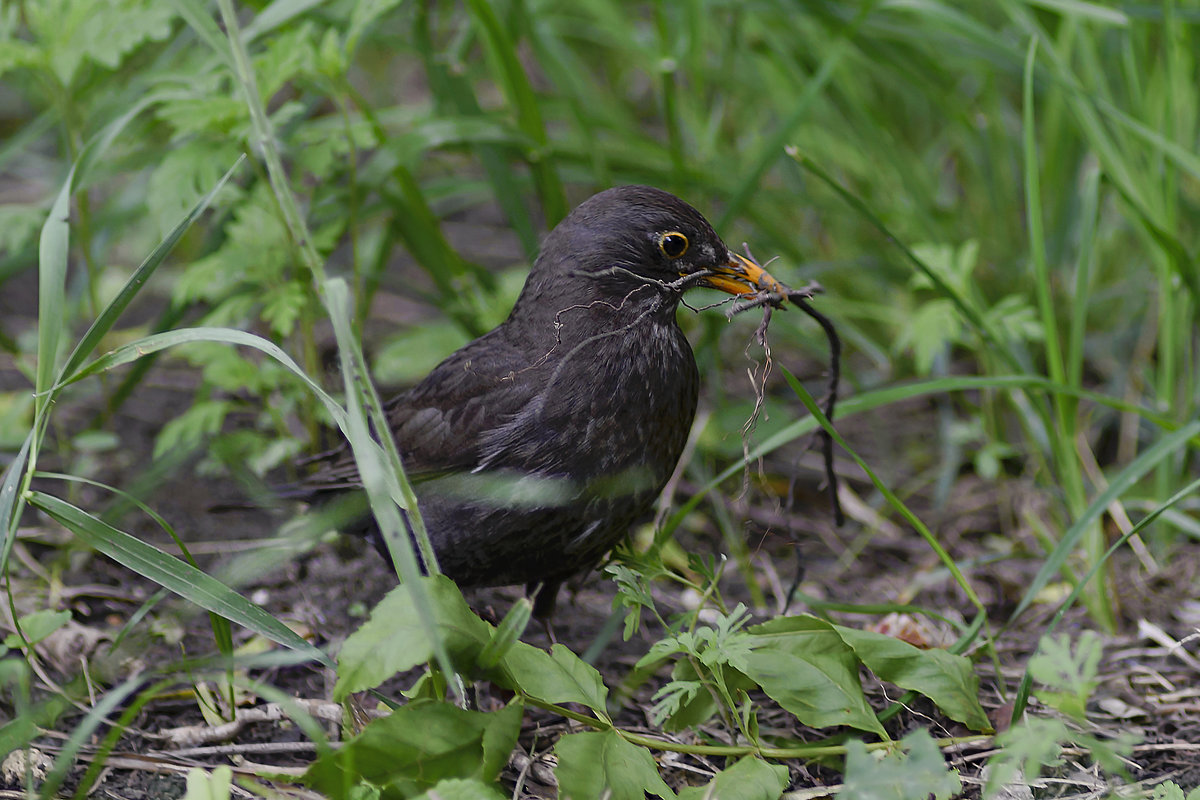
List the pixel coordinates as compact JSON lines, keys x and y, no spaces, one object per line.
{"x":742,"y":276}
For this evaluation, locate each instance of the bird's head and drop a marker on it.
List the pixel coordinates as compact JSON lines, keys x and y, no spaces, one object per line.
{"x":636,"y":236}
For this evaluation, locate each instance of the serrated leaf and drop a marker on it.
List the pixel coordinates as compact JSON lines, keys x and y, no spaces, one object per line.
{"x":914,"y":774}
{"x":558,"y":677}
{"x":288,"y":55}
{"x":1025,"y":749}
{"x":394,"y":639}
{"x":699,"y":708}
{"x":183,"y":176}
{"x":672,"y":698}
{"x":1171,"y":791}
{"x":203,"y":420}
{"x":419,"y":745}
{"x":282,"y":306}
{"x":932,"y":327}
{"x":946,"y":679}
{"x":102,"y":31}
{"x":602,"y":764}
{"x":750,"y":778}
{"x":203,"y":114}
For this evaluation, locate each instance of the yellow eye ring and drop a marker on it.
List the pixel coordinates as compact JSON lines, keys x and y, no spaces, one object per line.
{"x":673,"y":244}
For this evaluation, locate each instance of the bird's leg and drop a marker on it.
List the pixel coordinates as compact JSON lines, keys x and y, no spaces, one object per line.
{"x":545,"y":597}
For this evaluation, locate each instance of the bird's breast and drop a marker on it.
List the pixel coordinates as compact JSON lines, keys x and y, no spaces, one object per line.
{"x":616,"y":404}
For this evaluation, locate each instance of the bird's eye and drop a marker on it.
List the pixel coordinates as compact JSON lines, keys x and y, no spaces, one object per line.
{"x":673,"y":244}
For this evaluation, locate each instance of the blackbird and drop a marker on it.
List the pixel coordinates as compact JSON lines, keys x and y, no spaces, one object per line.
{"x":535,"y":447}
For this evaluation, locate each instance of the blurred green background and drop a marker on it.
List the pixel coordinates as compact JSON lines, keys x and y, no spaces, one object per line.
{"x":1006,"y":190}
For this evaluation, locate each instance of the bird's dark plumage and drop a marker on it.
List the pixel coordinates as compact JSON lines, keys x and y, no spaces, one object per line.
{"x":534,"y":448}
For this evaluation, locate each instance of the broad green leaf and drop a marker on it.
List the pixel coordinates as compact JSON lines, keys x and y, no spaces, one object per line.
{"x":946,"y":679}
{"x":750,"y":778}
{"x":802,"y":664}
{"x":556,"y":677}
{"x":602,"y":764}
{"x":820,"y":688}
{"x":419,"y":745}
{"x":914,"y":774}
{"x":394,"y":639}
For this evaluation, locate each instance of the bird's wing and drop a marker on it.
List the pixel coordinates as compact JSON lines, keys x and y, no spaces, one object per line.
{"x":439,"y":424}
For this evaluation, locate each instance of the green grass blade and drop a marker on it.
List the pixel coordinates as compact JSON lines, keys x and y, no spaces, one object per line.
{"x":1033,"y":218}
{"x":111,"y":702}
{"x":879,"y":398}
{"x":517,"y":89}
{"x":1166,"y":447}
{"x":53,"y":250}
{"x":195,"y":14}
{"x":454,"y":89}
{"x":108,"y":317}
{"x":11,"y":503}
{"x":275,"y":16}
{"x":1089,"y":204}
{"x":1022,"y":695}
{"x":151,"y":344}
{"x":382,"y":476}
{"x":1092,"y":12}
{"x":52,"y":288}
{"x":965,"y":307}
{"x":773,"y":148}
{"x":895,"y":502}
{"x":174,"y":574}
